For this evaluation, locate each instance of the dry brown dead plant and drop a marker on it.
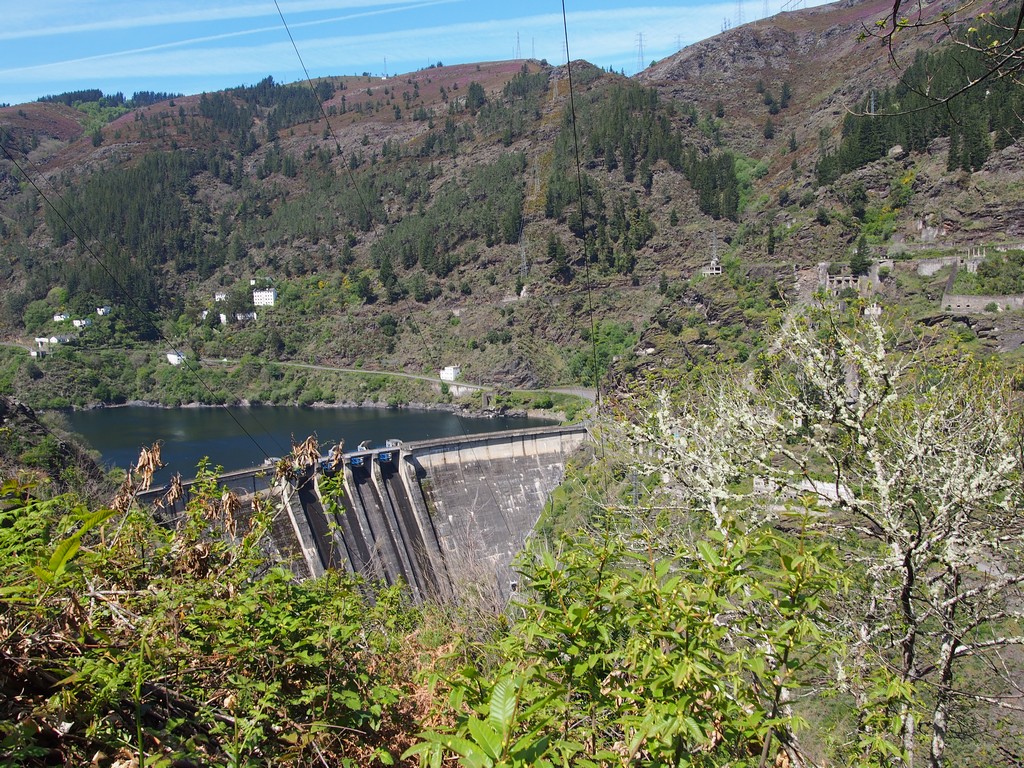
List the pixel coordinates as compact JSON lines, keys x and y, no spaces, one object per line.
{"x":138,"y":478}
{"x":149,"y":462}
{"x":125,"y":494}
{"x":175,"y":492}
{"x":336,"y":456}
{"x":307,"y":453}
{"x":230,"y":506}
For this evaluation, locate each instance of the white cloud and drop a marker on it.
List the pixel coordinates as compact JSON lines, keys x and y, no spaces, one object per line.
{"x":49,"y":19}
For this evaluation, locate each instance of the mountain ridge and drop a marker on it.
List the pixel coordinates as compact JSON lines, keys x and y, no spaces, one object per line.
{"x":433,"y":219}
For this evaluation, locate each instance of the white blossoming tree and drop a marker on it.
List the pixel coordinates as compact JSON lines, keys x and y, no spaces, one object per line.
{"x":912,"y":463}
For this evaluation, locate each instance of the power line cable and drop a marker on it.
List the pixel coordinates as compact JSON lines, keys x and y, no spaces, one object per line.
{"x":327,"y":120}
{"x":583,"y":215}
{"x":362,"y":202}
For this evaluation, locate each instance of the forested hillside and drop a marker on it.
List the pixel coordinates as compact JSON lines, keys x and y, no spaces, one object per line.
{"x":796,"y":539}
{"x":448,"y":216}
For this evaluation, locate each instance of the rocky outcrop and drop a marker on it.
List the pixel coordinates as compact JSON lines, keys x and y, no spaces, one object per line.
{"x":29,"y":448}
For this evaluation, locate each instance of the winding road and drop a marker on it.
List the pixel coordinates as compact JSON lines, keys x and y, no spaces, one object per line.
{"x":587,"y":393}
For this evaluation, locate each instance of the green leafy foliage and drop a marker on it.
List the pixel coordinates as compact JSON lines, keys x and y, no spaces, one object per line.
{"x":998,"y":274}
{"x":624,"y":658}
{"x":591,"y":362}
{"x":185,"y":647}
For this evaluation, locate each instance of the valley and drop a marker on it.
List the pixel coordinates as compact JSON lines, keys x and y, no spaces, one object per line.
{"x":431,"y":220}
{"x":773,"y":282}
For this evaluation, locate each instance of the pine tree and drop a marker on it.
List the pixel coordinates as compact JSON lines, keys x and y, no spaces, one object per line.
{"x":860,"y":262}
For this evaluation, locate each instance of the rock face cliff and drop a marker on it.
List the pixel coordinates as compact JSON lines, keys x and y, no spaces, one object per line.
{"x":34,"y":452}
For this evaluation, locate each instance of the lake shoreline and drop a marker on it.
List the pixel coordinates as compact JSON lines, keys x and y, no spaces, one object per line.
{"x":453,"y":408}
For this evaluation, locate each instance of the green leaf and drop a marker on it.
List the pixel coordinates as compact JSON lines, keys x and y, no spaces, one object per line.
{"x":94,"y":519}
{"x":468,"y":751}
{"x":431,"y":746}
{"x":708,"y":553}
{"x":503,"y":704}
{"x":62,"y":554}
{"x":486,"y":737}
{"x":528,"y":749}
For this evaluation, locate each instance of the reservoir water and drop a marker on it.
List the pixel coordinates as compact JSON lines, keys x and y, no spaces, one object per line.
{"x":235,"y":438}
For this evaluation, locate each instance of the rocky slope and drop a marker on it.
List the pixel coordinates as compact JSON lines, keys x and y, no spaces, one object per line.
{"x":314,"y":205}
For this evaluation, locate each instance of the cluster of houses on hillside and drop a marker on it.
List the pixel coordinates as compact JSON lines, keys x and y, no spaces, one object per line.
{"x":261,"y":297}
{"x":240,"y":317}
{"x":44,"y":343}
{"x":80,"y":322}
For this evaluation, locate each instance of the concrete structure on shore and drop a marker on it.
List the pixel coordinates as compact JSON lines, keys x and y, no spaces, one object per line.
{"x":434,"y":514}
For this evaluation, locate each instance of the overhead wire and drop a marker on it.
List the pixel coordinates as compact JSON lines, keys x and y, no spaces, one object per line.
{"x":327,"y":120}
{"x":330,"y":128}
{"x":583,"y":218}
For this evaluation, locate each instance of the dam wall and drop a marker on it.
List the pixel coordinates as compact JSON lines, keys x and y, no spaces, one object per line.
{"x":440,"y":516}
{"x":484,"y":494}
{"x":437,"y":515}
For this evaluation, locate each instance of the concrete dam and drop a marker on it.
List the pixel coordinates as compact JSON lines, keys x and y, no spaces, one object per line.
{"x":434,"y":514}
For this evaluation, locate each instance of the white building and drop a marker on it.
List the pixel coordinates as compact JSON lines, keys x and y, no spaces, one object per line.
{"x":101,"y":311}
{"x":175,"y":358}
{"x":60,"y":317}
{"x":243,"y":316}
{"x":450,"y":372}
{"x":220,"y":296}
{"x":264,"y":297}
{"x":713,"y":268}
{"x":84,"y":322}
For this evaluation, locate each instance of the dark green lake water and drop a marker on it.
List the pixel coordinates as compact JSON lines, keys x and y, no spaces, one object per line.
{"x":189,"y":434}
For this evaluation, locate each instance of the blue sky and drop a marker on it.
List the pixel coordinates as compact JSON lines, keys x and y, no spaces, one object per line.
{"x":52,"y":46}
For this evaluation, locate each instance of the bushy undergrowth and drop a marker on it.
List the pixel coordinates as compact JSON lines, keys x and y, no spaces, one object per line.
{"x":815,"y":562}
{"x":122,"y":639}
